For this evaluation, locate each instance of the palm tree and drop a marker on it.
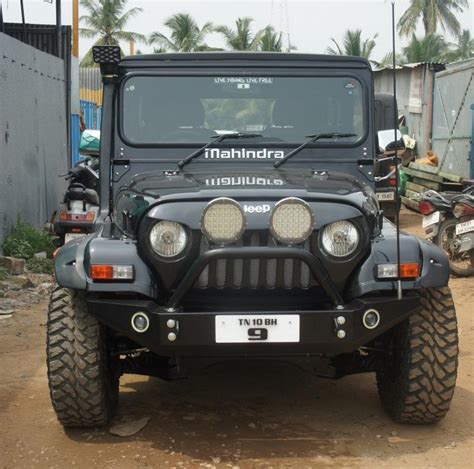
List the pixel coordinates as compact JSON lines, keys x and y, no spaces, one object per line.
{"x":186,"y":35}
{"x":387,"y":60}
{"x":270,"y":40}
{"x":431,"y":48}
{"x":353,"y":45}
{"x":463,"y":49}
{"x":433,"y":13}
{"x":242,"y":37}
{"x":107,"y":19}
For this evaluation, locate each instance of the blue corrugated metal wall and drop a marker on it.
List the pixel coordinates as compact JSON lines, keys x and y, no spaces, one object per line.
{"x":92,"y":117}
{"x":75,"y":137}
{"x":89,"y":111}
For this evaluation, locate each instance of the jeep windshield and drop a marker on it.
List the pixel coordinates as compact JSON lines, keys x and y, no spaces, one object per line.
{"x":159,"y":110}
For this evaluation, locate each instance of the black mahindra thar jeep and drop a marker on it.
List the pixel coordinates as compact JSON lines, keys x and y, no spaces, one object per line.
{"x":238,"y":219}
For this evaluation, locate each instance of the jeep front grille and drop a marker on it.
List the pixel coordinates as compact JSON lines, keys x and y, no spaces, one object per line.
{"x":255,"y":273}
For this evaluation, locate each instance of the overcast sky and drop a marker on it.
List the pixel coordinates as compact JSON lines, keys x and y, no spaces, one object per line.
{"x":311,"y":24}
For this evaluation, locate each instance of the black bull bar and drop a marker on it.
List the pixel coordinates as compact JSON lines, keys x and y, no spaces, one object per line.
{"x":316,"y":267}
{"x":174,"y":332}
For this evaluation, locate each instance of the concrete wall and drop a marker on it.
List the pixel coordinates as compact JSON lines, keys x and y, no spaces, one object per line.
{"x":33,"y":134}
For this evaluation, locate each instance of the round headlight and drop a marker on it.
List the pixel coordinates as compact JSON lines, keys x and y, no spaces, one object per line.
{"x":168,"y":238}
{"x":340,"y":239}
{"x":291,"y":221}
{"x":223,"y":221}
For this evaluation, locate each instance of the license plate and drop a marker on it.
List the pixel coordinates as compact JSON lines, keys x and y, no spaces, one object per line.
{"x":431,"y":219}
{"x":70,"y":236}
{"x":245,"y":328}
{"x":381,"y":196}
{"x":465,"y":227}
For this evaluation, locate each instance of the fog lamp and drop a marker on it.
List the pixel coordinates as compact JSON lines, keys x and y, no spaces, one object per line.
{"x":223,"y":221}
{"x":291,"y":221}
{"x":371,"y":319}
{"x":140,"y":322}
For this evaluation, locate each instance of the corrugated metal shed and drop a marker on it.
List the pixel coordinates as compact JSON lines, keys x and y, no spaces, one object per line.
{"x":453,"y":97}
{"x":90,"y":81}
{"x":414,"y":96}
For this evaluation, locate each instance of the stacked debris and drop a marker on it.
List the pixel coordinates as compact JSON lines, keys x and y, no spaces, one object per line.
{"x":424,"y":174}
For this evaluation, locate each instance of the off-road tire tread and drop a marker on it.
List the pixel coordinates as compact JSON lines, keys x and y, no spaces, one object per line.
{"x":427,"y":362}
{"x":83,"y":389}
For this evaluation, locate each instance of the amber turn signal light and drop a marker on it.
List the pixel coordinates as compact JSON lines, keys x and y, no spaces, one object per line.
{"x":100,"y":272}
{"x":408,"y":270}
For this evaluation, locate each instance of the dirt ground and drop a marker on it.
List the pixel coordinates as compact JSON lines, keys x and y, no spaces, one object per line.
{"x":245,"y":416}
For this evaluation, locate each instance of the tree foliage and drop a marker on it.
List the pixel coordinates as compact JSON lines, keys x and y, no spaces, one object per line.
{"x":432,"y":13}
{"x":106,"y":20}
{"x":462,"y":49}
{"x":353,"y":44}
{"x":270,"y":40}
{"x":242,"y":37}
{"x":185,"y":35}
{"x":431,"y":48}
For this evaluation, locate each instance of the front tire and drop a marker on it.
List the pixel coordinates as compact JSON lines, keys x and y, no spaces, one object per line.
{"x":83,"y":378}
{"x":417,"y":377}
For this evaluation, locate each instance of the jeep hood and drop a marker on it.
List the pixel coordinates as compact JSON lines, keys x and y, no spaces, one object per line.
{"x":155,"y":188}
{"x":250,"y":183}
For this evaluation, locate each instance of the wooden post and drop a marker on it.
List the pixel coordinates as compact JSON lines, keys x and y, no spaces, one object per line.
{"x":75,"y":28}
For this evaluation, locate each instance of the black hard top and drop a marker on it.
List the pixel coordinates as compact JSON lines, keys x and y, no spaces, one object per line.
{"x":252,"y":59}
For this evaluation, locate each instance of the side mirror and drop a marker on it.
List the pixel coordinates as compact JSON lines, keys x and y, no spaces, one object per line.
{"x":387,"y":142}
{"x":90,"y":143}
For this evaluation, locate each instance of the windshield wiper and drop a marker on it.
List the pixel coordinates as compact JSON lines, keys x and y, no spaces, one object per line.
{"x":215,"y":139}
{"x":312,"y":139}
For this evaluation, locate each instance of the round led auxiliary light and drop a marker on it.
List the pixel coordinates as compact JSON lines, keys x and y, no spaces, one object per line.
{"x":291,"y":221}
{"x":223,"y":221}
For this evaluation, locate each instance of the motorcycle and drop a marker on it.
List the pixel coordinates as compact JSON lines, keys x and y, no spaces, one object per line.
{"x":464,"y":212}
{"x":79,"y":210}
{"x":385,"y":169}
{"x":440,"y":222}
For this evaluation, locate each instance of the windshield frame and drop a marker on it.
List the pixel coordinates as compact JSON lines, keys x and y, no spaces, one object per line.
{"x":261,"y":72}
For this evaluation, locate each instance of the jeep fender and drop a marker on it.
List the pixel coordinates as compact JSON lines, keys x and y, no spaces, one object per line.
{"x":433,"y":262}
{"x":73,"y":261}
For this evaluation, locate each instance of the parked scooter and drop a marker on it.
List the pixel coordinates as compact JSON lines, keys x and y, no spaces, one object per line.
{"x":385,"y":171}
{"x":440,"y":223}
{"x":79,"y":210}
{"x":463,"y":210}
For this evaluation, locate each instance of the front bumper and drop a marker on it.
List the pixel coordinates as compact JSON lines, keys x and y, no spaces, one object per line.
{"x":196,"y":333}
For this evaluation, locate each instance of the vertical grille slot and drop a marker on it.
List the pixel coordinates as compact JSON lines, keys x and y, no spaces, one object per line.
{"x":255,"y":273}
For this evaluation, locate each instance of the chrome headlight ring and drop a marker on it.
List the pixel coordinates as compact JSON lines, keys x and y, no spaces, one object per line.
{"x":340,"y":239}
{"x":168,"y":238}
